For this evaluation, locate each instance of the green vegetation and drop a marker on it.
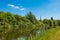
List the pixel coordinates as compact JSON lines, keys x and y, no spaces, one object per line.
{"x":51,"y":34}
{"x":14,"y":26}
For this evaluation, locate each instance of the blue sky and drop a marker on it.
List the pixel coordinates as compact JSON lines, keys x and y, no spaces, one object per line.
{"x":43,"y":8}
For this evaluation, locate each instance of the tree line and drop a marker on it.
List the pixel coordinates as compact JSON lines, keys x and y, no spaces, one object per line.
{"x":13,"y":25}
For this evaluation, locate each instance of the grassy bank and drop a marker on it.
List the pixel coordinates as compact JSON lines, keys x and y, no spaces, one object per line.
{"x":51,"y":34}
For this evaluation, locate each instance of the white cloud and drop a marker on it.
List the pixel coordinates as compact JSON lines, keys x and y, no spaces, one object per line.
{"x":16,"y":7}
{"x":22,"y":9}
{"x":10,"y":5}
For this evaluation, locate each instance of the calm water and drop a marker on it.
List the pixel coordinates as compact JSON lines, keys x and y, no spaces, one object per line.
{"x":25,"y":38}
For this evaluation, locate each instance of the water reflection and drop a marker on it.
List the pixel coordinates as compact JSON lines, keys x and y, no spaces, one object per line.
{"x":22,"y":38}
{"x":38,"y":32}
{"x":26,"y":38}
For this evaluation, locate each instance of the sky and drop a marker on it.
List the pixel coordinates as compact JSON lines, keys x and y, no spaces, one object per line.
{"x":40,"y":8}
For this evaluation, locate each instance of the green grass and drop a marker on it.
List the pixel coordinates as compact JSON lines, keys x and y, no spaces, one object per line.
{"x":51,"y":34}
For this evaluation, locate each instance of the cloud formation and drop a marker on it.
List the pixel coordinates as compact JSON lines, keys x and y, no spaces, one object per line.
{"x":22,"y":9}
{"x":16,"y":7}
{"x":11,"y":5}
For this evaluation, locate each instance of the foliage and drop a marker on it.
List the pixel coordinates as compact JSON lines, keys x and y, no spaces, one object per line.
{"x":13,"y":26}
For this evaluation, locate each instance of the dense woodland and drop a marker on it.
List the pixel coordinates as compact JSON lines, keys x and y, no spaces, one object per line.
{"x":13,"y":25}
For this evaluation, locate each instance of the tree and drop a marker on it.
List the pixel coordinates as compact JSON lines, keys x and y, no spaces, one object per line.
{"x":40,"y":19}
{"x":9,"y":17}
{"x":31,"y":17}
{"x":51,"y":18}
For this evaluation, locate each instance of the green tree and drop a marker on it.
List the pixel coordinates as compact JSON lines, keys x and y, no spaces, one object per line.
{"x":31,"y":17}
{"x":51,"y":18}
